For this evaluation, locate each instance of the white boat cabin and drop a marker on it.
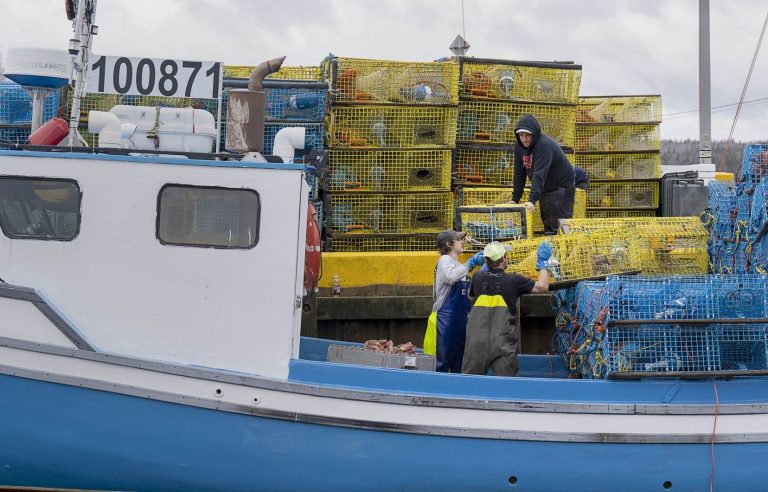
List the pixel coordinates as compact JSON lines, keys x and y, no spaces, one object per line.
{"x":185,"y":261}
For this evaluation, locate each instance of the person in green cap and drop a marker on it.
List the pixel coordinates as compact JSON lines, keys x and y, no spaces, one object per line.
{"x":491,"y":340}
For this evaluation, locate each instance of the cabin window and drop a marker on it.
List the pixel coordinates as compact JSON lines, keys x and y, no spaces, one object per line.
{"x":208,"y":217}
{"x":39,"y":208}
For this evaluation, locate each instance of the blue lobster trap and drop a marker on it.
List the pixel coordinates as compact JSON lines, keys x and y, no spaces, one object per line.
{"x":754,"y":165}
{"x":14,"y":135}
{"x":742,"y":348}
{"x":313,"y":138}
{"x":660,"y":349}
{"x":741,"y":296}
{"x":295,"y":101}
{"x":662,"y":298}
{"x":494,"y":222}
{"x":694,"y":348}
{"x":16,"y":105}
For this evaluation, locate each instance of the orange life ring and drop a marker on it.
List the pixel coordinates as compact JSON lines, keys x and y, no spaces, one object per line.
{"x":312,"y":257}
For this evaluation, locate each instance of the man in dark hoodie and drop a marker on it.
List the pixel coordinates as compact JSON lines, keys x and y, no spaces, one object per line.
{"x":540,"y":158}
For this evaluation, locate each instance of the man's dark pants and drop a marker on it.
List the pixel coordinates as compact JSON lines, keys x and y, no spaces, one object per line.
{"x":555,"y":205}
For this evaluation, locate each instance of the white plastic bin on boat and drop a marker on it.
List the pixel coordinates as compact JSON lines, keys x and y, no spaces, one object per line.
{"x":171,"y":129}
{"x":357,"y":355}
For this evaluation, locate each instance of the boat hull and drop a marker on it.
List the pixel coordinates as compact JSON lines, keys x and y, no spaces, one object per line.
{"x":58,"y":435}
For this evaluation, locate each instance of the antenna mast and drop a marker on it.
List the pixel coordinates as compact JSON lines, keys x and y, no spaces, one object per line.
{"x":80,"y":50}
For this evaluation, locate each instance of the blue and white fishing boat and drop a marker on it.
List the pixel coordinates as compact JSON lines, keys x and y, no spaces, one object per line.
{"x":150,"y":340}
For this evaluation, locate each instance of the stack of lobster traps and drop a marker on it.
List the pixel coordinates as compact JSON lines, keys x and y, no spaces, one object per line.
{"x":390,"y":135}
{"x":619,"y":145}
{"x":16,"y":112}
{"x":678,"y":326}
{"x":493,"y":96}
{"x":294,"y":97}
{"x":737,"y":217}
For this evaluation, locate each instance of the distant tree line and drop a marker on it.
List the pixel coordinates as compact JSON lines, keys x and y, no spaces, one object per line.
{"x":682,"y":152}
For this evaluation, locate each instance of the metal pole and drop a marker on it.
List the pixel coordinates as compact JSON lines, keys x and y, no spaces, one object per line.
{"x":705,"y":97}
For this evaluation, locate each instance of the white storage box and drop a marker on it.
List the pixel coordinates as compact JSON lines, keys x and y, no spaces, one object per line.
{"x":172,"y":129}
{"x":357,"y":355}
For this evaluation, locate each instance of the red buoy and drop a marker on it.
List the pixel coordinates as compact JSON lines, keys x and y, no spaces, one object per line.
{"x":51,"y":133}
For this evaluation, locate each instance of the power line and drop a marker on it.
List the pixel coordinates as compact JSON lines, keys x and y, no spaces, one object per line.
{"x":744,"y":91}
{"x":724,"y":106}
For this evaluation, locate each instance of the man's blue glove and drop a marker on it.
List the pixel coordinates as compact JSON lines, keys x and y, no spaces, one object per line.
{"x":543,"y":252}
{"x":476,"y":261}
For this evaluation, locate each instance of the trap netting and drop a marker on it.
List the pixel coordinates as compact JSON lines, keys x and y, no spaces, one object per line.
{"x":520,"y":81}
{"x":364,"y":81}
{"x":619,"y":109}
{"x":493,"y":122}
{"x":377,"y":126}
{"x":486,"y":223}
{"x":661,"y":245}
{"x":386,"y":170}
{"x":617,"y":138}
{"x":621,"y":166}
{"x":379,"y":213}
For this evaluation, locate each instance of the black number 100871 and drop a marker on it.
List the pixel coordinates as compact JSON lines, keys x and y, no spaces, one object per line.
{"x":147,"y":76}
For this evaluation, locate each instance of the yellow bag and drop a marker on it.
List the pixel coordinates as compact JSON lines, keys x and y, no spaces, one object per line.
{"x":430,"y":337}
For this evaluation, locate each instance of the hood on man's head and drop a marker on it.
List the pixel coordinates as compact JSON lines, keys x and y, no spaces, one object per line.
{"x":531,"y":125}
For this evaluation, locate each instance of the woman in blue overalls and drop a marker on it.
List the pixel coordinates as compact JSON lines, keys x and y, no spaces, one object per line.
{"x":447,"y":325}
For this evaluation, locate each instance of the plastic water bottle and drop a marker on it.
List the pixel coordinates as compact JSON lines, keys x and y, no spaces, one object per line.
{"x":336,"y":286}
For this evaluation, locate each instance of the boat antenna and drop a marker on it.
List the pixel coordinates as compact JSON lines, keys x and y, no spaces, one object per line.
{"x":80,"y":51}
{"x":743,"y":94}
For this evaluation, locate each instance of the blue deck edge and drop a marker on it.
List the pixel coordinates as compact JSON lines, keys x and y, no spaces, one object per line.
{"x":537,"y":384}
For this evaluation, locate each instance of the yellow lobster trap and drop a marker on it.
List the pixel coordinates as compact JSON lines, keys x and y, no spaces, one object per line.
{"x":484,"y":165}
{"x":493,"y":122}
{"x":621,"y":166}
{"x":391,"y":127}
{"x":660,"y":245}
{"x":486,"y":223}
{"x":623,"y":194}
{"x":618,"y":213}
{"x":577,"y":256}
{"x":470,"y":196}
{"x":579,"y":208}
{"x":474,"y":196}
{"x":617,"y":138}
{"x":619,"y":109}
{"x":389,"y":213}
{"x":306,"y":72}
{"x":381,"y":242}
{"x":389,"y":170}
{"x":361,"y":81}
{"x":520,"y":81}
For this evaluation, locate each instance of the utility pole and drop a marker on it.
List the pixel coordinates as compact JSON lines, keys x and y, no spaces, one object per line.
{"x":705,"y":97}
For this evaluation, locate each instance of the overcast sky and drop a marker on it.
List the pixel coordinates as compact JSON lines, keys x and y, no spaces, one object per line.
{"x":625,"y":47}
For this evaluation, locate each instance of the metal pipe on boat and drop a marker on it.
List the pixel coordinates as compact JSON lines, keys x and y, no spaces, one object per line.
{"x":245,"y":111}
